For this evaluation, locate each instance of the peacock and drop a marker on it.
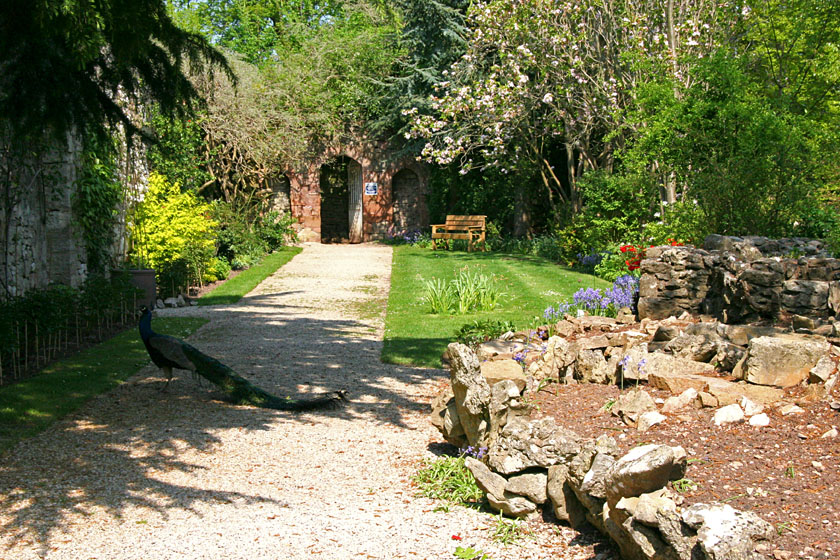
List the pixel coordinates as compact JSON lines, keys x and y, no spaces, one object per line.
{"x":168,"y":353}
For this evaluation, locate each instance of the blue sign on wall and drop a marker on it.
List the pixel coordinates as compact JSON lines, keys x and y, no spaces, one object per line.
{"x":371,"y":188}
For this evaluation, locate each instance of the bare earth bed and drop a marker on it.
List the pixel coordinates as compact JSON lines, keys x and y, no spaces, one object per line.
{"x":786,"y":473}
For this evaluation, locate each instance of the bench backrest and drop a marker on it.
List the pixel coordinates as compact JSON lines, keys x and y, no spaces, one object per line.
{"x":466,"y":221}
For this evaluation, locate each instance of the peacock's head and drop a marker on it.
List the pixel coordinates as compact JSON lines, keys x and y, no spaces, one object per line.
{"x":142,"y":311}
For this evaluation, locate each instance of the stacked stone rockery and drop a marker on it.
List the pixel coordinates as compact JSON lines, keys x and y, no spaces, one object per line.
{"x":741,"y":280}
{"x":530,"y":463}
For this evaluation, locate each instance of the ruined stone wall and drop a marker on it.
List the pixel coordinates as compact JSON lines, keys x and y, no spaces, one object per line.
{"x":741,"y":280}
{"x":39,"y":243}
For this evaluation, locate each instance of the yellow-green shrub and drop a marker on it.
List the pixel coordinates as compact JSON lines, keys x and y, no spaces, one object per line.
{"x":173,"y":233}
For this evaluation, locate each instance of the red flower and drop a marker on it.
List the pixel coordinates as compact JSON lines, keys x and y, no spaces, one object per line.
{"x":456,"y":537}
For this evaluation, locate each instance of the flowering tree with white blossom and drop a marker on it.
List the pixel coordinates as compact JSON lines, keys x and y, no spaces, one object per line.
{"x":539,"y":74}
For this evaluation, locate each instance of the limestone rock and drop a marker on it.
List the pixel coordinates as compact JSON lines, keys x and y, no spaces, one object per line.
{"x":750,"y":407}
{"x":530,"y":485}
{"x":644,"y":469}
{"x":649,"y":506}
{"x":488,"y":481}
{"x":632,"y":404}
{"x":597,"y":323}
{"x":491,"y":348}
{"x":760,"y":420}
{"x":170,"y":302}
{"x":680,"y":402}
{"x":781,"y":361}
{"x":728,"y":356}
{"x":656,"y":510}
{"x":727,"y":392}
{"x":677,"y":384}
{"x":592,"y":342}
{"x":665,"y":365}
{"x":565,"y":503}
{"x":729,"y":414}
{"x":564,"y":328}
{"x":472,"y":393}
{"x":822,"y":371}
{"x":706,"y":400}
{"x":627,"y":339}
{"x":595,"y":479}
{"x":696,"y":347}
{"x":666,"y":332}
{"x":725,"y":533}
{"x":524,"y":443}
{"x":790,"y":409}
{"x":591,"y":367}
{"x":445,"y":419}
{"x":499,"y":370}
{"x":505,"y":403}
{"x":649,"y":419}
{"x":515,"y":506}
{"x":559,"y":354}
{"x":625,"y":316}
{"x":494,"y":486}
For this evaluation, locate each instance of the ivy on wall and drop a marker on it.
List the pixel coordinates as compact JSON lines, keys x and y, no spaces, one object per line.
{"x":96,"y":203}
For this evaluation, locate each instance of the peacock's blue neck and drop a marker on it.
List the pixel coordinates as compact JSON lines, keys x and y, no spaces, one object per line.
{"x":146,"y":325}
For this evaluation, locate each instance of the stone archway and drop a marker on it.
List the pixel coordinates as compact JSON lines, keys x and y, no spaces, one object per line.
{"x":341,"y":201}
{"x":409,"y":199}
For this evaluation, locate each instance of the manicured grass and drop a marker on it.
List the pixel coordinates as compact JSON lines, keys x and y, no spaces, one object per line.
{"x":233,"y":290}
{"x":415,"y":336}
{"x":28,"y":407}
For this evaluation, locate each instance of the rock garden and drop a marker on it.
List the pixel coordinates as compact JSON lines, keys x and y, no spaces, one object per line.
{"x":702,"y":426}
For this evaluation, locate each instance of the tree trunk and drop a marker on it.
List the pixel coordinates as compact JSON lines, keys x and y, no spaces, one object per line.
{"x":521,"y":213}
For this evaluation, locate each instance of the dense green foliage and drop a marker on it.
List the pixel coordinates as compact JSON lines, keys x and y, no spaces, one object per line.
{"x":96,"y":198}
{"x":642,"y":128}
{"x":173,"y":234}
{"x":31,"y":405}
{"x":65,"y":62}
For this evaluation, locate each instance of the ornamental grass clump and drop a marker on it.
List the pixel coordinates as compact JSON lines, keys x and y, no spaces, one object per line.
{"x":448,"y":479}
{"x":469,"y":291}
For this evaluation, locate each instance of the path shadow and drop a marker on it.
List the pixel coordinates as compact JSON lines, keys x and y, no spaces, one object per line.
{"x":102,"y":458}
{"x":108,"y":455}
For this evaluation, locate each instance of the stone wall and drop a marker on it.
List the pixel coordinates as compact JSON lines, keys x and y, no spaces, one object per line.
{"x":531,"y":463}
{"x":740,"y":280}
{"x":40,"y":243}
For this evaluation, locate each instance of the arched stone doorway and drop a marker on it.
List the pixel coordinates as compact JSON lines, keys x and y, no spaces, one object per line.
{"x":341,"y":201}
{"x":410,"y":210}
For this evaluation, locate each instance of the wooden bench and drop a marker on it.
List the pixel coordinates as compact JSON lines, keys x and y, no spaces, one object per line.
{"x":470,"y":228}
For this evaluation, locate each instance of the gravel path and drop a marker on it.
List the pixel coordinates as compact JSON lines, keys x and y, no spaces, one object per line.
{"x":139,"y":474}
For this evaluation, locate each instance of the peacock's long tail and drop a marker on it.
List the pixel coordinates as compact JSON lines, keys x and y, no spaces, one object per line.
{"x":241,"y":391}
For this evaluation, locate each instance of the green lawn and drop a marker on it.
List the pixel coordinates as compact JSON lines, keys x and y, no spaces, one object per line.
{"x":28,"y":407}
{"x":233,"y":290}
{"x":415,"y":336}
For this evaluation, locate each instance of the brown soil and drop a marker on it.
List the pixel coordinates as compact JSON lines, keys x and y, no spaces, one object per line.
{"x":785,"y":473}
